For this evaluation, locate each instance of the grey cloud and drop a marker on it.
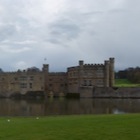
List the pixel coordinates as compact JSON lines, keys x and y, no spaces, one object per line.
{"x":72,"y":26}
{"x":92,"y":13}
{"x":63,"y":30}
{"x":117,"y":11}
{"x":7,"y":31}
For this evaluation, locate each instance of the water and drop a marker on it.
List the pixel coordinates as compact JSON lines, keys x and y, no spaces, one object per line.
{"x":9,"y":107}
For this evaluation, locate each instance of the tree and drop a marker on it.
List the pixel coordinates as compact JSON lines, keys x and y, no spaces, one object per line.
{"x":132,"y":74}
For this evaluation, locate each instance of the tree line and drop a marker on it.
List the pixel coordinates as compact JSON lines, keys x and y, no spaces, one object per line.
{"x":132,"y":74}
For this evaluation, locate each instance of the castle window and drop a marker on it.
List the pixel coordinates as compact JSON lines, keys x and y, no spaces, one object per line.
{"x":23,"y":85}
{"x":100,"y":73}
{"x":70,"y":74}
{"x":85,"y":82}
{"x":50,"y":85}
{"x":31,"y":78}
{"x":16,"y":78}
{"x":89,"y":82}
{"x":30,"y":85}
{"x":99,"y":82}
{"x":23,"y":78}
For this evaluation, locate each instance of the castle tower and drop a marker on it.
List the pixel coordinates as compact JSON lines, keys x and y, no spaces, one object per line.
{"x":81,"y":72}
{"x":45,"y":70}
{"x":107,"y":76}
{"x":81,"y":62}
{"x":111,"y":72}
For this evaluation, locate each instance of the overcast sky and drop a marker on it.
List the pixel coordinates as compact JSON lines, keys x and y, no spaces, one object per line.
{"x":66,"y":31}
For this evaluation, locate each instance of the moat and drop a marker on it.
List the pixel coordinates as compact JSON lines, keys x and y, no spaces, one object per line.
{"x":62,"y":106}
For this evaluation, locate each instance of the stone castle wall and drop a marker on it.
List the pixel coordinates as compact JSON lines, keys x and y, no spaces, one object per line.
{"x":108,"y":92}
{"x":20,"y":83}
{"x":60,"y":83}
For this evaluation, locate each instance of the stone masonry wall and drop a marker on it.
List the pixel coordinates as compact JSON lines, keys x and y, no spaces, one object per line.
{"x":108,"y":92}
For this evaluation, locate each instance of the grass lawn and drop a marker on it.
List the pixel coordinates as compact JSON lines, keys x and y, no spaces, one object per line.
{"x":125,"y":83}
{"x":82,"y":127}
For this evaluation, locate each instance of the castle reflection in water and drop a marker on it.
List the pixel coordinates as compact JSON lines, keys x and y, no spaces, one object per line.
{"x":64,"y":106}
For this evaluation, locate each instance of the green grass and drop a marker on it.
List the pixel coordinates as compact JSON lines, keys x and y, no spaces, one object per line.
{"x":125,"y":83}
{"x":84,"y":127}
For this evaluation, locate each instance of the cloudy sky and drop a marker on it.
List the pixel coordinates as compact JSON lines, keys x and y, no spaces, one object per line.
{"x":66,"y":31}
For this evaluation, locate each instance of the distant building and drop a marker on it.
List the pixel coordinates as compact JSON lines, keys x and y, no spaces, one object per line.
{"x":34,"y":80}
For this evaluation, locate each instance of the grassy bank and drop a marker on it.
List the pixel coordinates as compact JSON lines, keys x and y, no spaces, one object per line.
{"x":88,"y":127}
{"x":125,"y":83}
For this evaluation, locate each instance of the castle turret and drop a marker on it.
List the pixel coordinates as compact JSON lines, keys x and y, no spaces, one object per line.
{"x":81,"y":72}
{"x":107,"y":77}
{"x":45,"y":70}
{"x":111,"y":72}
{"x":81,"y":62}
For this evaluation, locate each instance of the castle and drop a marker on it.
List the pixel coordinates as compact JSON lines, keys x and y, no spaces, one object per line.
{"x":75,"y":80}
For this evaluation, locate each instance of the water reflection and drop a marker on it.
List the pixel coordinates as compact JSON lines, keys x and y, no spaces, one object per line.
{"x":62,"y":106}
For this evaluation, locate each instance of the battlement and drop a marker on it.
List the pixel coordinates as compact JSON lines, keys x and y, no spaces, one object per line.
{"x":93,"y":65}
{"x":84,"y":66}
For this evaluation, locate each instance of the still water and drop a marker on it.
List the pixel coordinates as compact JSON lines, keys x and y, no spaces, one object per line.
{"x":9,"y":107}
